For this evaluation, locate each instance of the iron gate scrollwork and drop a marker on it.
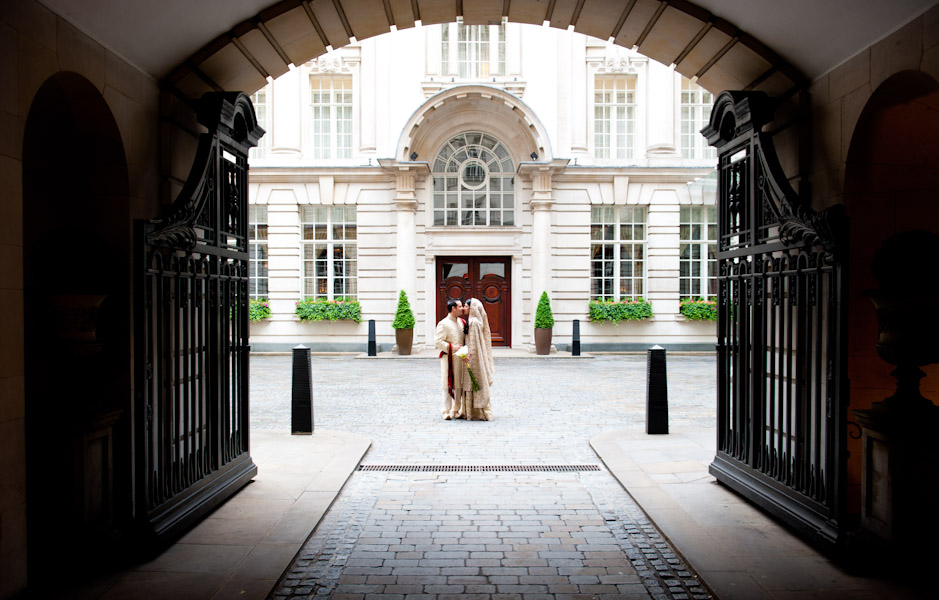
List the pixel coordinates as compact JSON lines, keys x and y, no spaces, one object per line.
{"x":191,"y":338}
{"x":781,"y":388}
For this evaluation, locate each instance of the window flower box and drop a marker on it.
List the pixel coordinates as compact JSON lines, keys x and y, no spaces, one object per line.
{"x":698,"y":310}
{"x":615,"y":311}
{"x":321,"y":309}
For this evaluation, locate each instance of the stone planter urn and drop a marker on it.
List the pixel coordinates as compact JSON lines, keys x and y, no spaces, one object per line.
{"x":544,"y":322}
{"x":404,"y":339}
{"x":403,"y":325}
{"x":908,"y":335}
{"x":543,"y":341}
{"x":899,"y":489}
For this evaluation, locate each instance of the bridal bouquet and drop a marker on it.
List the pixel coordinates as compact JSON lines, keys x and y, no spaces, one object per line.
{"x":465,"y":355}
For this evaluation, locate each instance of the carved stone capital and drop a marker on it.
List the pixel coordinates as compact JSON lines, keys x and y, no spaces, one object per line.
{"x":541,"y":175}
{"x":541,"y":204}
{"x":406,"y":177}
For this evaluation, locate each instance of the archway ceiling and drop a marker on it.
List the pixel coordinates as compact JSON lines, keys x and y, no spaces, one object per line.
{"x":194,"y":46}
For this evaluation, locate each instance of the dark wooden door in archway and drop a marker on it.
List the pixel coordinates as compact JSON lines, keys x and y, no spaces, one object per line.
{"x":487,"y":278}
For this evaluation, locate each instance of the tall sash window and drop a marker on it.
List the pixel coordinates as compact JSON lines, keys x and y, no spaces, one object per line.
{"x":696,"y":105}
{"x":331,"y":109}
{"x":614,"y":116}
{"x":617,"y":252}
{"x":262,"y":108}
{"x":257,"y":251}
{"x":330,"y":255}
{"x":698,"y":252}
{"x":472,"y":51}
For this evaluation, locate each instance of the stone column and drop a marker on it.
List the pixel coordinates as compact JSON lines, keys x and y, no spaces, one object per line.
{"x":542,"y":201}
{"x":659,"y":95}
{"x":406,"y":231}
{"x":579,"y":98}
{"x":406,"y":177}
{"x":285,"y":102}
{"x":363,"y":81}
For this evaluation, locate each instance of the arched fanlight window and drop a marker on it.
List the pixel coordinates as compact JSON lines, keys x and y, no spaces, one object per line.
{"x":474,"y":182}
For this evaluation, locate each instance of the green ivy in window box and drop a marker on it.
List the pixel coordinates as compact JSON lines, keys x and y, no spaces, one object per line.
{"x":258,"y":309}
{"x":698,"y":310}
{"x":614,"y":311}
{"x":321,"y":309}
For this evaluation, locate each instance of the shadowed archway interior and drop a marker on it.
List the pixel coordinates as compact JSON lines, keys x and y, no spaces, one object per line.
{"x":76,"y":271}
{"x":891,"y":184}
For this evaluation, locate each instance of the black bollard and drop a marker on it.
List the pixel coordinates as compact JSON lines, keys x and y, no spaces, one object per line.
{"x":301,"y":398}
{"x":372,"y":346}
{"x":656,"y":392}
{"x":575,"y":339}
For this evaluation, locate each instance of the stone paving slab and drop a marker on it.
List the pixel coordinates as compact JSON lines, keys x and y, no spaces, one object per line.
{"x":243,"y":547}
{"x":484,"y":534}
{"x":736,"y":549}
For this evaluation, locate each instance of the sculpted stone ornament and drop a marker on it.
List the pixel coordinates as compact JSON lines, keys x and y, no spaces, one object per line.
{"x":904,"y":302}
{"x":898,"y":450}
{"x":329,"y":64}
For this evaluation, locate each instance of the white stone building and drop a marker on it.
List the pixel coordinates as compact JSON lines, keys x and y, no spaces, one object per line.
{"x":491,"y":161}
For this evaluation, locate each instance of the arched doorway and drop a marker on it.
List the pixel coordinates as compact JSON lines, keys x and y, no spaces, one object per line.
{"x":76,"y":274}
{"x":891,"y":185}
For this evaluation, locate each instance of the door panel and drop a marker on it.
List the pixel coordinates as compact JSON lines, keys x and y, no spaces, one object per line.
{"x":485,"y":278}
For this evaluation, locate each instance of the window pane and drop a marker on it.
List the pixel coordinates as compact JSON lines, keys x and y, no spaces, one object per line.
{"x":466,"y":173}
{"x":455,"y":270}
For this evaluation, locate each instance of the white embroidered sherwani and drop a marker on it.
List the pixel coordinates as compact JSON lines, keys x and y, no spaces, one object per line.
{"x":447,"y":337}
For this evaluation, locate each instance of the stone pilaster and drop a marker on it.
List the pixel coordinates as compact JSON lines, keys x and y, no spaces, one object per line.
{"x":541,"y":203}
{"x":285,"y":103}
{"x":406,"y":177}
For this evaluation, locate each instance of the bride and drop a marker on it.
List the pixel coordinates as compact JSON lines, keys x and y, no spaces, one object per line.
{"x":476,"y":405}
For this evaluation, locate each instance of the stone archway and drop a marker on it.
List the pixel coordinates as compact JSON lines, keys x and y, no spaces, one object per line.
{"x":891,"y":184}
{"x":697,"y":42}
{"x":452,"y":111}
{"x":76,"y":273}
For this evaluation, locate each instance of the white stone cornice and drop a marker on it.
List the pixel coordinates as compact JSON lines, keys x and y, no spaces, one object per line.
{"x":418,"y":169}
{"x":485,"y":241}
{"x":361,"y":174}
{"x":580,"y":174}
{"x":554,"y":167}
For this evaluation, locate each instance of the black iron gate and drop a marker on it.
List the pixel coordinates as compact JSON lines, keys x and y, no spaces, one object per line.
{"x":780,"y":347}
{"x":191,"y":337}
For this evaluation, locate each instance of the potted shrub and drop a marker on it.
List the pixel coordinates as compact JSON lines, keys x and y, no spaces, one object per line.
{"x":544,"y":322}
{"x":321,"y":309}
{"x":403,"y":325}
{"x":614,"y":311}
{"x":698,"y":310}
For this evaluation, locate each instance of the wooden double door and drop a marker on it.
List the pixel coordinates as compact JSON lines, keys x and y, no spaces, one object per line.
{"x":485,"y":278}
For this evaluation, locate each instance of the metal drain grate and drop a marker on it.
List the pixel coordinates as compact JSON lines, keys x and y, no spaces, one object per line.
{"x":479,"y":468}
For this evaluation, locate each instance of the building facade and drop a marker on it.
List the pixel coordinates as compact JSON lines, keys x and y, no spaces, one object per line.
{"x":481,"y":167}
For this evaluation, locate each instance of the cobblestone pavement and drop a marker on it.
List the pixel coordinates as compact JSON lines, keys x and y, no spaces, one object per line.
{"x":492,"y":534}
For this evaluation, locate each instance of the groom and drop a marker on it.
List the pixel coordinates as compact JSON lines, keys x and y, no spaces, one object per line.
{"x":448,"y":338}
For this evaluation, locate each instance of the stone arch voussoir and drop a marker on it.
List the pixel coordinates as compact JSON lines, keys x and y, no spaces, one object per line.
{"x":699,"y":44}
